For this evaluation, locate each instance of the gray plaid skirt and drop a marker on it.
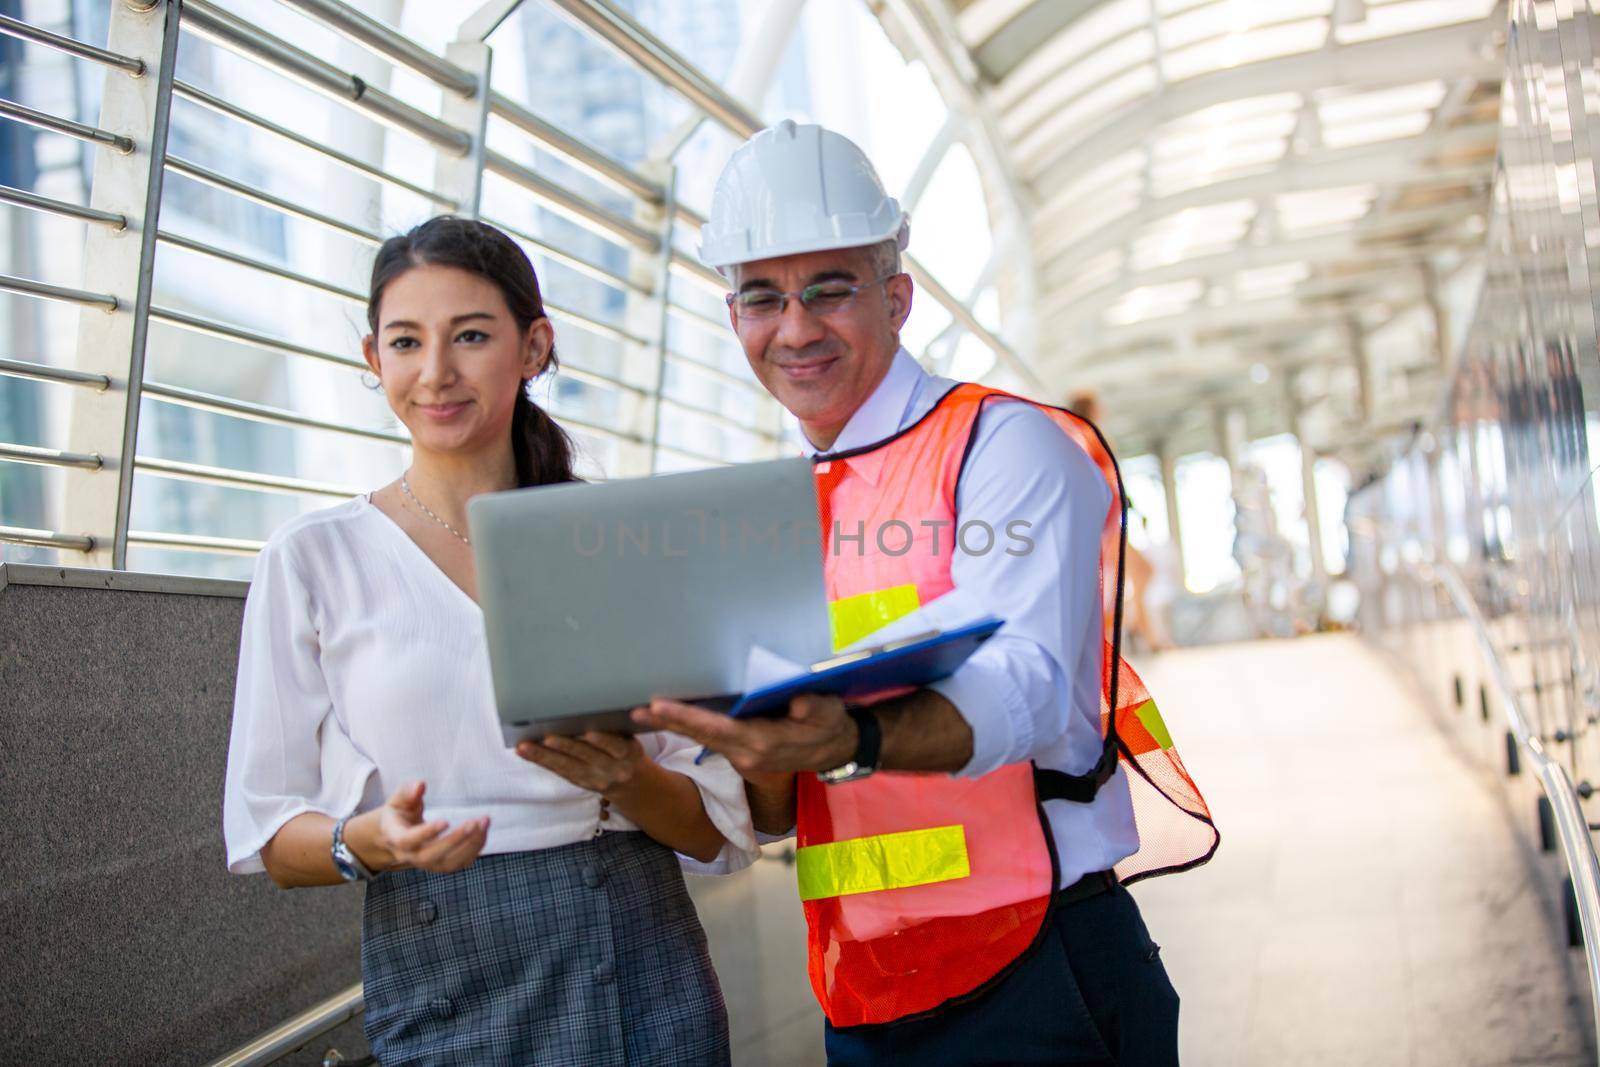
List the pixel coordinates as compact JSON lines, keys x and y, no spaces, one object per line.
{"x":589,"y":954}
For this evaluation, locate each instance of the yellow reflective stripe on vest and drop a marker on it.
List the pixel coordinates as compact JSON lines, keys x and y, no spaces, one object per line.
{"x":886,"y":861}
{"x":854,"y":617}
{"x":1151,"y":718}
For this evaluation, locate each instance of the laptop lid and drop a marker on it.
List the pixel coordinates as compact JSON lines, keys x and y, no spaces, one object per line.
{"x":597,"y":596}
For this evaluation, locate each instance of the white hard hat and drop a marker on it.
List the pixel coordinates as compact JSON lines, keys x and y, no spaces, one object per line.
{"x":792,"y":189}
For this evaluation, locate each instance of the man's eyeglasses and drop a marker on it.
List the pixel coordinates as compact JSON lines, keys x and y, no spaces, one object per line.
{"x":821,"y":298}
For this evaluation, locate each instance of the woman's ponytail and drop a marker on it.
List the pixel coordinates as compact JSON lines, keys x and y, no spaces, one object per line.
{"x":542,"y":449}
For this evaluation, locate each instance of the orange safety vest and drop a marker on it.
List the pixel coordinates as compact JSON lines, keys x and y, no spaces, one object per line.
{"x":923,"y":889}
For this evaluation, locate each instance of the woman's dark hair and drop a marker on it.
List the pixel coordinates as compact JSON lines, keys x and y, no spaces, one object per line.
{"x":542,"y":449}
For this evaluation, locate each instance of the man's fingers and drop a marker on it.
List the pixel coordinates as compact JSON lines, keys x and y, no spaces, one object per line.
{"x":707,"y":727}
{"x":555,"y":762}
{"x":613,"y":745}
{"x":582,"y":751}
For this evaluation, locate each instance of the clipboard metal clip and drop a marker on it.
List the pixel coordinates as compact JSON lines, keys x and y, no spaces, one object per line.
{"x":868,"y":653}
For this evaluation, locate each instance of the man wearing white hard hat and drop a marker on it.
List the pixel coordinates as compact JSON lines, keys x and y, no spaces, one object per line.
{"x":966,"y":912}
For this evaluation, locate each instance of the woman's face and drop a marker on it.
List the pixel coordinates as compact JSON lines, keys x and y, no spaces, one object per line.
{"x":451,"y":358}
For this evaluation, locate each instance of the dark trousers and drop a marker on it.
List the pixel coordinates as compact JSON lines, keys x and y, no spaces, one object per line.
{"x":1093,"y":992}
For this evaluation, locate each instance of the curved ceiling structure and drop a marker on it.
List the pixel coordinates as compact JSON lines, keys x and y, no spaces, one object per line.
{"x":1224,"y":199}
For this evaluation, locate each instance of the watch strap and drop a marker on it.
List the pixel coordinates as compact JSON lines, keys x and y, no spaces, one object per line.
{"x":345,"y":860}
{"x":869,"y":746}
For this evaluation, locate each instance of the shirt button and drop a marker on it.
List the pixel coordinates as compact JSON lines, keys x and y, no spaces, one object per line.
{"x":605,"y":973}
{"x":441,"y":1008}
{"x":593,"y":877}
{"x":426,"y":912}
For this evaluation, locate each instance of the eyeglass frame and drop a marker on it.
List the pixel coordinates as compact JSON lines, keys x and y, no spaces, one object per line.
{"x":799,"y":294}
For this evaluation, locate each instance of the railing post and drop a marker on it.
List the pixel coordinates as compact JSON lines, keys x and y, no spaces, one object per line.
{"x":462,"y":178}
{"x":121,"y":262}
{"x":669,"y":211}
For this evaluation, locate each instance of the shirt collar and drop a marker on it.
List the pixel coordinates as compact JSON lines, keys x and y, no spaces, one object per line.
{"x":881,"y":415}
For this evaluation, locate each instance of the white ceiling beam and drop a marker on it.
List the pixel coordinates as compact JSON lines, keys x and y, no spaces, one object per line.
{"x":1360,"y":241}
{"x":1464,"y":50}
{"x":1400,"y":162}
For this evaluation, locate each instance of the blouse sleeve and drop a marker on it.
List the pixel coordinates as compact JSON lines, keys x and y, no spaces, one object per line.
{"x":722,"y":793}
{"x":287,"y":753}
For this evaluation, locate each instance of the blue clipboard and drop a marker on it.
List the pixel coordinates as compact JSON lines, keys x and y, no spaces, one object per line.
{"x":861,"y":677}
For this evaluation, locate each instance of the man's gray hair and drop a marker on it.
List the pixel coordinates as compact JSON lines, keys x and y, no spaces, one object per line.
{"x":884,"y":257}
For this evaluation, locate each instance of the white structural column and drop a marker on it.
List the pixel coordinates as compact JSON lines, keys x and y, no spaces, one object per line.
{"x":1232,"y":432}
{"x":1169,"y":489}
{"x":1356,"y":341}
{"x":1442,"y":341}
{"x":122,"y":263}
{"x":1308,"y":475}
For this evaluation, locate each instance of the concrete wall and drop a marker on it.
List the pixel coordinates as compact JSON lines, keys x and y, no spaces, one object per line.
{"x":124,"y":940}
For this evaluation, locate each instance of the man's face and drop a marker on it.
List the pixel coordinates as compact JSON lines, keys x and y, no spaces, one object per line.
{"x":822,"y":365}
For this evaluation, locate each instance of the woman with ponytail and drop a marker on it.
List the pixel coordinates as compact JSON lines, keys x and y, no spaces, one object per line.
{"x":517,"y":910}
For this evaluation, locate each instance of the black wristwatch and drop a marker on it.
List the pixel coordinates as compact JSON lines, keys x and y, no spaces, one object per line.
{"x":869,"y":750}
{"x":345,"y":860}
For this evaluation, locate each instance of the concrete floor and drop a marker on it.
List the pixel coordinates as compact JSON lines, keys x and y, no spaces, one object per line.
{"x":1375,"y":900}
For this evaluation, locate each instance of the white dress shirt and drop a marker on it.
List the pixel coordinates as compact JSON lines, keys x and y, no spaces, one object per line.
{"x":1033,"y":690}
{"x":362,"y":666}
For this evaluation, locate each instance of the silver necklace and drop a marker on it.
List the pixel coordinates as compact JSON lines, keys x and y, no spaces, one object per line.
{"x":405,"y":486}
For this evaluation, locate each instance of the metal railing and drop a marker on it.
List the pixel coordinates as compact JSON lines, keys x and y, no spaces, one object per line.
{"x":1571,"y":824}
{"x":297,"y":1032}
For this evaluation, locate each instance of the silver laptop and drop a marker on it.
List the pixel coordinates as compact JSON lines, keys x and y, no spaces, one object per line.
{"x":597,"y":597}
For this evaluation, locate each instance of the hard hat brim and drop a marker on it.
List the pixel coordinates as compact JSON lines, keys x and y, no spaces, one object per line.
{"x":721,"y":259}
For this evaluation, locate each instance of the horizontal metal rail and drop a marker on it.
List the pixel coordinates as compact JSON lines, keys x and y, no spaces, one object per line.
{"x":689,"y":453}
{"x":718,"y":418}
{"x":589,"y":322}
{"x":231,"y":32}
{"x":604,"y":381}
{"x":227,"y":331}
{"x":10,"y":283}
{"x":207,"y":176}
{"x":1572,"y":826}
{"x":41,"y":372}
{"x":52,"y":206}
{"x":211,"y":102}
{"x":720,"y":327}
{"x":240,"y":259}
{"x":569,"y":422}
{"x":228,"y":546}
{"x":51,"y":457}
{"x":560,"y":199}
{"x":10,"y":109}
{"x":22,"y":535}
{"x":699,"y":272}
{"x":386,"y":41}
{"x":584,"y":155}
{"x":244,"y":409}
{"x":601,"y":274}
{"x":72,"y":46}
{"x":295,"y":1032}
{"x":627,"y":36}
{"x":722,"y":376}
{"x":234,"y":479}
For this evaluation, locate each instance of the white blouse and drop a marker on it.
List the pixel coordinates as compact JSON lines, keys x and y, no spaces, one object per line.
{"x":362,"y":666}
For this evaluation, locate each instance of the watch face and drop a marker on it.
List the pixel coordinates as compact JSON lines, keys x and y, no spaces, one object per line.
{"x":848,"y":773}
{"x":346,"y":871}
